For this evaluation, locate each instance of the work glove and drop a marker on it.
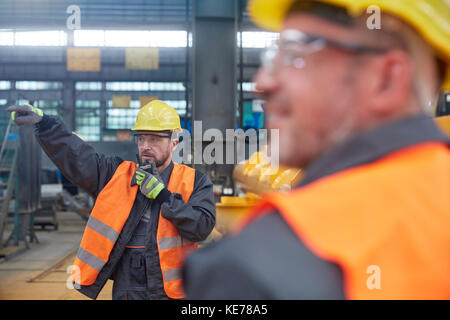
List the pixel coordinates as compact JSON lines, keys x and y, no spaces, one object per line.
{"x":25,"y":114}
{"x":150,"y":182}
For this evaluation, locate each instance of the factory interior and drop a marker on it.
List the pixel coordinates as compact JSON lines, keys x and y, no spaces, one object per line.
{"x":95,"y":64}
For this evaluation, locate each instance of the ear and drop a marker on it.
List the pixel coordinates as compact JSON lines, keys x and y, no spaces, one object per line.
{"x":174,"y":144}
{"x":388,"y":84}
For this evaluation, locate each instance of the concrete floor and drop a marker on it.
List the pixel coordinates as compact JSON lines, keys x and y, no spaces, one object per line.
{"x":41,"y":271}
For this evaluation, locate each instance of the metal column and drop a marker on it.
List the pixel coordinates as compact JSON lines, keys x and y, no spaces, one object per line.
{"x":214,"y":72}
{"x":67,"y":111}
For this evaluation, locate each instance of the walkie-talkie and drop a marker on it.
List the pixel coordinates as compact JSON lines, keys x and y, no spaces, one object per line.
{"x":144,"y":166}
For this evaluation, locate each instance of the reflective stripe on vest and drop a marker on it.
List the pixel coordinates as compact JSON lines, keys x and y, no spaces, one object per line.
{"x":171,"y":246}
{"x":385,"y":223}
{"x":110,"y":212}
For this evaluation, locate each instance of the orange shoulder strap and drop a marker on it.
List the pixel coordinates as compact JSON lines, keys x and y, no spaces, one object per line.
{"x":182,"y":180}
{"x":172,"y":246}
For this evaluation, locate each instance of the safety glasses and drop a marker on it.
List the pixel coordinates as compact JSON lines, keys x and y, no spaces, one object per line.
{"x":150,"y":138}
{"x":293,"y":46}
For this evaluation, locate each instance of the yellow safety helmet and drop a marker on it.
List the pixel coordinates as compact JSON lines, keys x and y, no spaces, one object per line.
{"x":431,"y":18}
{"x":157,"y":116}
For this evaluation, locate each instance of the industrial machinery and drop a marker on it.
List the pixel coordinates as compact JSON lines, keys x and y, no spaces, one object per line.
{"x":19,"y":169}
{"x":444,"y":123}
{"x":254,"y":177}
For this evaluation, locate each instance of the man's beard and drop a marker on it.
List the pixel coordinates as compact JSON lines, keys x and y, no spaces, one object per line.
{"x":158,"y":162}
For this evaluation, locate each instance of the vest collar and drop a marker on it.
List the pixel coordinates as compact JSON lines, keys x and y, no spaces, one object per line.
{"x":165,"y":175}
{"x":373,"y":145}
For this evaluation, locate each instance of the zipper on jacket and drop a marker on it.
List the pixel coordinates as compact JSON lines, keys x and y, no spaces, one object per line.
{"x":146,"y":205}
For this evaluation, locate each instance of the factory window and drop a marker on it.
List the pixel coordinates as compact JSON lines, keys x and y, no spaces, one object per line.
{"x":6,"y":38}
{"x":85,"y":85}
{"x":145,"y":86}
{"x":246,"y":86}
{"x":87,"y":123}
{"x":5,"y":85}
{"x":38,"y":85}
{"x":4,"y":118}
{"x":87,"y":104}
{"x":87,"y":119}
{"x":40,"y":38}
{"x":168,"y":39}
{"x":178,"y":105}
{"x":86,"y":38}
{"x":98,"y":38}
{"x":257,"y":39}
{"x":127,"y":86}
{"x":49,"y":107}
{"x":121,"y":118}
{"x":130,"y":38}
{"x":167,"y":86}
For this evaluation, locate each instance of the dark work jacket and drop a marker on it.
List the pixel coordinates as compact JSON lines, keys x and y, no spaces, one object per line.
{"x":136,"y":272}
{"x":267,"y":260}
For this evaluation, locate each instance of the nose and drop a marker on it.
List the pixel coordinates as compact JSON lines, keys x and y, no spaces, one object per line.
{"x":265,"y":82}
{"x":145,"y":146}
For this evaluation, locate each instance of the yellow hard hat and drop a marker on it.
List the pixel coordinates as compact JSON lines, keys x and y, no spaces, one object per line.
{"x":431,"y":18}
{"x":157,"y":116}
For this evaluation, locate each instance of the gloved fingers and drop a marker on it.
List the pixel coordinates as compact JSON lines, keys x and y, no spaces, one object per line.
{"x":139,"y":176}
{"x":149,"y":183}
{"x":19,"y":108}
{"x":140,"y":171}
{"x":23,"y":108}
{"x":21,"y":120}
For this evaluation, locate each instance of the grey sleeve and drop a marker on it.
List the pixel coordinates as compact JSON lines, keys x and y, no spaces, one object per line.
{"x":265,"y":261}
{"x":196,"y":219}
{"x":214,"y":273}
{"x":76,"y":159}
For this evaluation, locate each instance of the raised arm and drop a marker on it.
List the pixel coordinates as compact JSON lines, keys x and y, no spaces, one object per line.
{"x":76,"y":159}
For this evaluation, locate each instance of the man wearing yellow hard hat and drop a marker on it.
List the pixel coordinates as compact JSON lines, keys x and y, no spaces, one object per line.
{"x":370,"y":218}
{"x":146,"y":217}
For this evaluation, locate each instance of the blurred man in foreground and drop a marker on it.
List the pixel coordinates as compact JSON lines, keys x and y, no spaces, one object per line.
{"x":370,"y":218}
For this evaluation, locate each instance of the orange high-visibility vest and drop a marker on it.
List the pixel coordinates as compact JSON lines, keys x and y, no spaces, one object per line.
{"x":111,"y":211}
{"x":386,"y":224}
